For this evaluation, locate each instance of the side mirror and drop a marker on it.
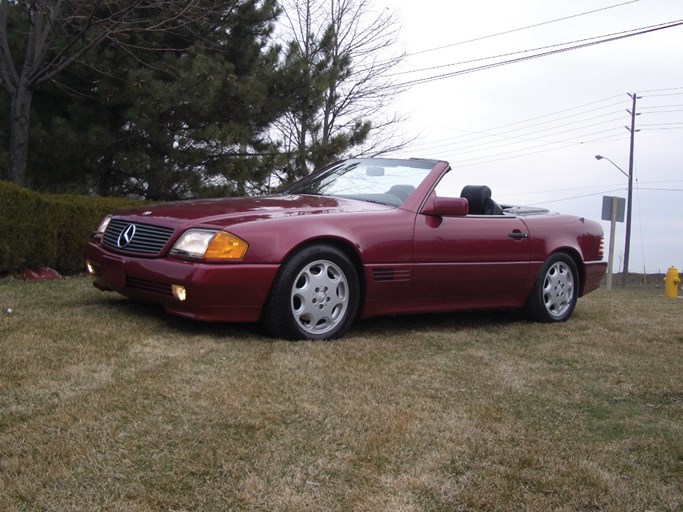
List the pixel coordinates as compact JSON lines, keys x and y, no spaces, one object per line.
{"x":446,"y":206}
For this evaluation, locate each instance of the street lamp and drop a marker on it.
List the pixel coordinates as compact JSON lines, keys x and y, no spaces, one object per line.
{"x":600,"y":157}
{"x":627,"y":245}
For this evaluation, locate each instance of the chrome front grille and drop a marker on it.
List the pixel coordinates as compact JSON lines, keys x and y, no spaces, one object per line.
{"x":141,"y":239}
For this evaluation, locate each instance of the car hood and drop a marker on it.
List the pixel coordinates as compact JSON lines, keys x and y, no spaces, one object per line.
{"x":225,"y":212}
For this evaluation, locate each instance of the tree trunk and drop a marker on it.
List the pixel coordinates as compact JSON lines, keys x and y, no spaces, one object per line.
{"x":19,"y":130}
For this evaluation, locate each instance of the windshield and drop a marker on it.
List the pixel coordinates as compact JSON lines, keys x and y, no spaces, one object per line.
{"x":380,"y":181}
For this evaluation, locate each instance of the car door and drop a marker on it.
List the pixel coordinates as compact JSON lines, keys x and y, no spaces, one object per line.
{"x":470,"y":257}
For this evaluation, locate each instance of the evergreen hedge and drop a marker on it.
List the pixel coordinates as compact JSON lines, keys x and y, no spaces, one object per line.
{"x":38,"y":230}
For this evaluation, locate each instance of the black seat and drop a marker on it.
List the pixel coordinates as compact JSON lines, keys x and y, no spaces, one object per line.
{"x":401,"y":191}
{"x":479,"y":198}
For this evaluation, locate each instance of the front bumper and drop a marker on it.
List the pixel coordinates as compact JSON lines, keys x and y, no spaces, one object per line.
{"x":232,"y":292}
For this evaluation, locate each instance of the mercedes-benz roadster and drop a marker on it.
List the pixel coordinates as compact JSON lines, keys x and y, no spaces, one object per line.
{"x":356,"y":239}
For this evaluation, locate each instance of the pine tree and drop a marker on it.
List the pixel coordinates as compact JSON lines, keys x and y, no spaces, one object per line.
{"x":177,"y":100}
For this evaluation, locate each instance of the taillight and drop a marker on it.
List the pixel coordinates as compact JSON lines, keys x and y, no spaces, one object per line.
{"x":601,"y":249}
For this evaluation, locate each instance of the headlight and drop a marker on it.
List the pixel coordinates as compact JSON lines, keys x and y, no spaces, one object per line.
{"x":103,"y":226}
{"x":209,"y":245}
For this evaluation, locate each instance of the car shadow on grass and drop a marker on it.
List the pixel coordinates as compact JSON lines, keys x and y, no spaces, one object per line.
{"x":149,"y":312}
{"x":483,"y":319}
{"x":385,"y":325}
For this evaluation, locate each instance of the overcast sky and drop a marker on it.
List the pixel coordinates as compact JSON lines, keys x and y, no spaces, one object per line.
{"x":531,"y":130}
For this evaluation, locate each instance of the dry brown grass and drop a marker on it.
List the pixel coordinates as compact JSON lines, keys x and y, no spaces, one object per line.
{"x":110,"y":405}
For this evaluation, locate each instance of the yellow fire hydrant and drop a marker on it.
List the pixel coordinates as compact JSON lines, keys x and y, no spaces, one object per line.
{"x":671,"y":282}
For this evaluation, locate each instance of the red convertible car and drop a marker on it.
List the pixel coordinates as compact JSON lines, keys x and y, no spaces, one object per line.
{"x":358,"y":238}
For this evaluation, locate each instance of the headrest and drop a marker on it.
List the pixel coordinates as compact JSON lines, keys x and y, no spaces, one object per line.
{"x":477,"y":196}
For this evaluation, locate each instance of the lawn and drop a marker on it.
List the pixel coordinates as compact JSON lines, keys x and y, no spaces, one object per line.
{"x":106,"y":404}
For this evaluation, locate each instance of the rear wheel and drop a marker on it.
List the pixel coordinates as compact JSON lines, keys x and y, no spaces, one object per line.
{"x":555,"y":292}
{"x":315,"y":295}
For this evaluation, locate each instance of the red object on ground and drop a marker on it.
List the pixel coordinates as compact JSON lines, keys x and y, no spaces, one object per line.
{"x":40,"y":274}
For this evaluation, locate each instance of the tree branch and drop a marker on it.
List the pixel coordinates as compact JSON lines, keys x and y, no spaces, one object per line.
{"x":9,"y":77}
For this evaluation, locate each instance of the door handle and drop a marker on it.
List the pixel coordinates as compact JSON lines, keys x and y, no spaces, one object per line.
{"x":518,"y":235}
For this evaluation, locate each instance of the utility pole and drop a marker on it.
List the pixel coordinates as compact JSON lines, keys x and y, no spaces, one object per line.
{"x":627,"y":245}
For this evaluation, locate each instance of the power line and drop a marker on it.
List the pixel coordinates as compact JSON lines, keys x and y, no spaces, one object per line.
{"x":530,"y":136}
{"x":572,"y":189}
{"x":534,"y":150}
{"x":662,"y":129}
{"x":519,"y":136}
{"x":596,"y":39}
{"x":499,"y":131}
{"x":548,"y":144}
{"x":525,"y":151}
{"x":577,"y":197}
{"x":504,"y":157}
{"x":648,"y":91}
{"x":662,"y":106}
{"x":553,"y":130}
{"x":529,"y":126}
{"x":661,"y":95}
{"x":519,"y":29}
{"x":523,"y":138}
{"x":663,"y":112}
{"x":659,"y":124}
{"x":607,"y":39}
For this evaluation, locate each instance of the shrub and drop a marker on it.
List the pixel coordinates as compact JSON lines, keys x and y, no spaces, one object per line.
{"x":38,"y":230}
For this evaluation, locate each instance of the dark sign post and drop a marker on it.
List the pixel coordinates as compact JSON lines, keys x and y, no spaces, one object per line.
{"x":613,"y":211}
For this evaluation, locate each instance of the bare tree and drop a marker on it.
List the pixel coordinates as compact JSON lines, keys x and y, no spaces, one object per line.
{"x":57,"y":34}
{"x":345,"y":50}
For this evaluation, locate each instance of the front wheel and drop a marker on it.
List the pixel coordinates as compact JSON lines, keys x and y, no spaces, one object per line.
{"x":315,"y":295}
{"x":555,"y":292}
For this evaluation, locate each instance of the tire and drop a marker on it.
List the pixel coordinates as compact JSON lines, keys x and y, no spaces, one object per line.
{"x":555,"y":292}
{"x":315,"y":296}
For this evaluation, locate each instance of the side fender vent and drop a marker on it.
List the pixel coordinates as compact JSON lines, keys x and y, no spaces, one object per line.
{"x":389,"y":274}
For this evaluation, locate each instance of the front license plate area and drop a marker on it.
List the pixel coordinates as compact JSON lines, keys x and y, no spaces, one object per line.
{"x":113,"y":272}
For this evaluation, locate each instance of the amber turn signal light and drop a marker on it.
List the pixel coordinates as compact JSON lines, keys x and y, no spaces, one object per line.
{"x":225,"y":246}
